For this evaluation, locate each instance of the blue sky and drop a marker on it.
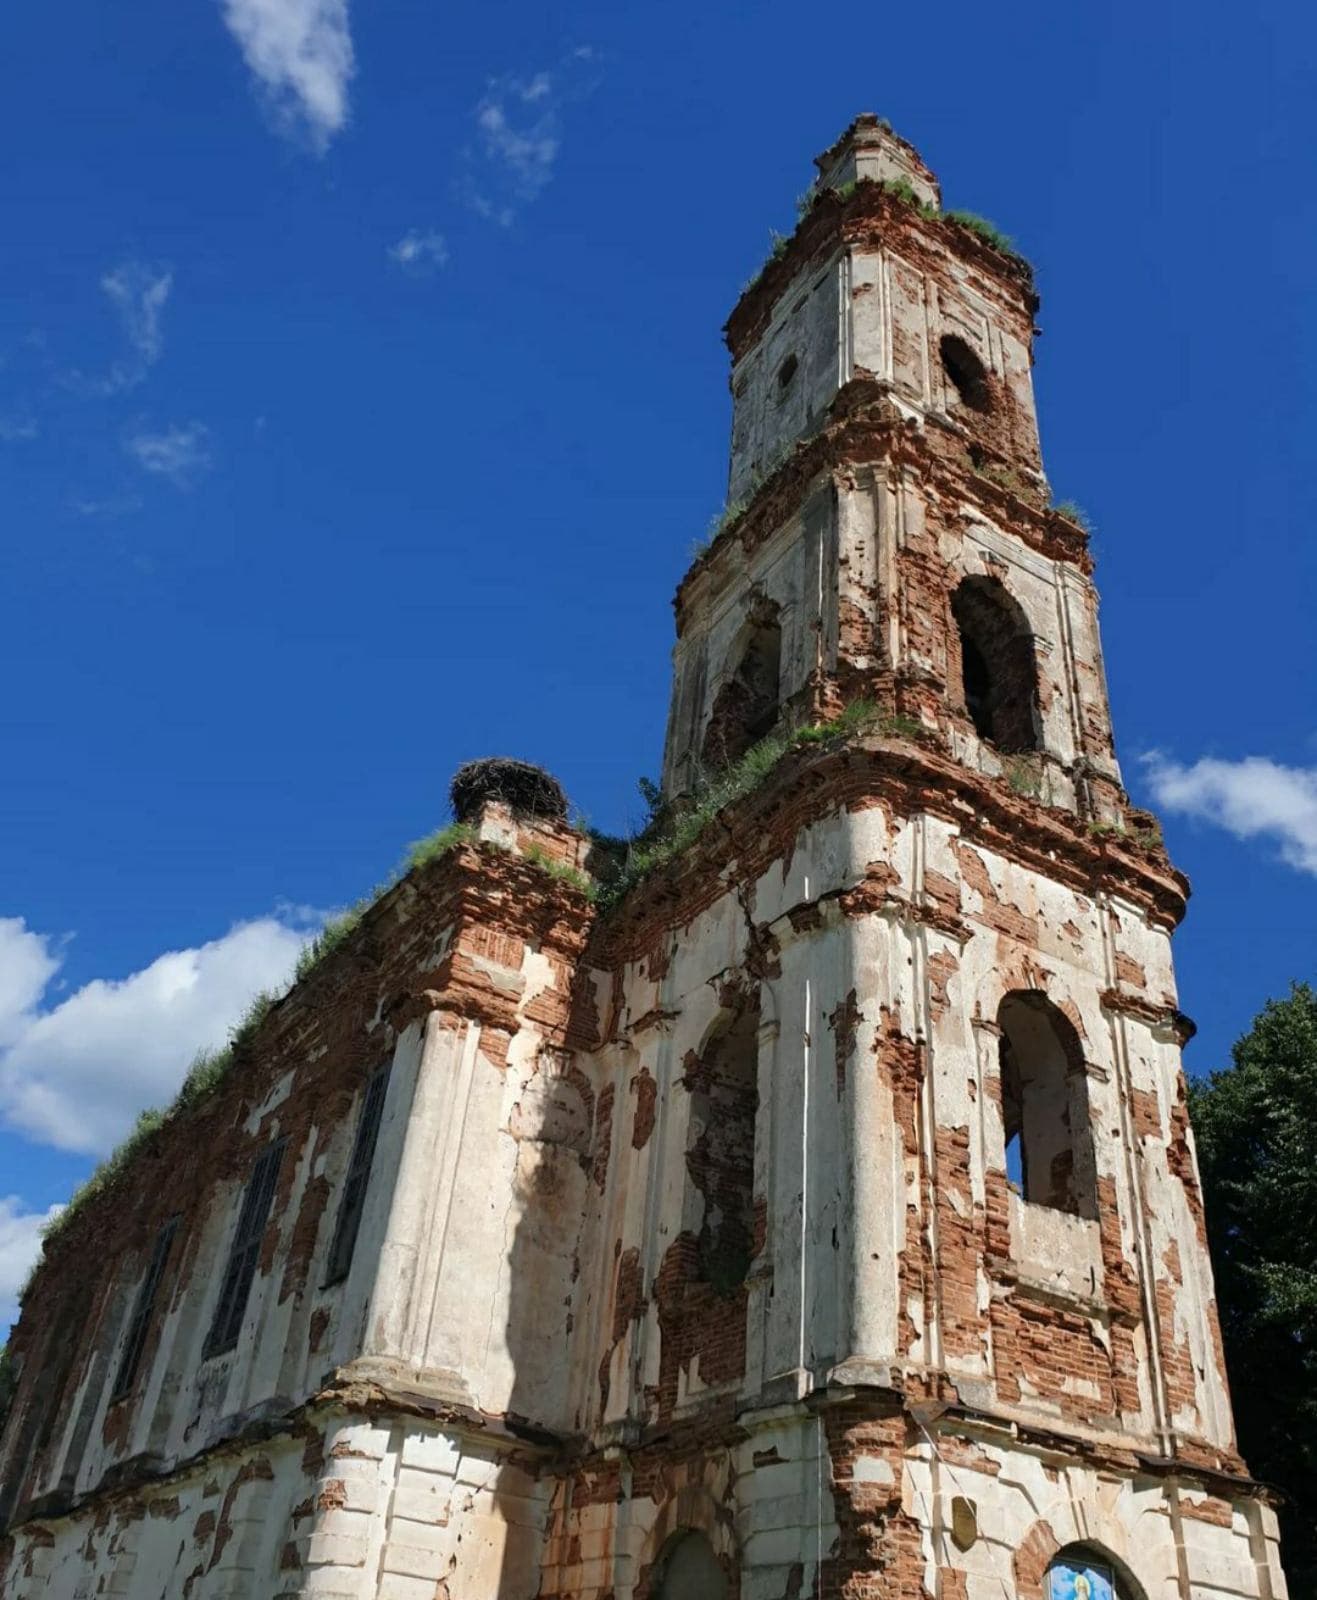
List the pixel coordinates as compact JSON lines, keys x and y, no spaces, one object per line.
{"x":362,"y":393}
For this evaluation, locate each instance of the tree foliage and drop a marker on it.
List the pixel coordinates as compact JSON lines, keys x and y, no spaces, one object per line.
{"x":1256,"y":1124}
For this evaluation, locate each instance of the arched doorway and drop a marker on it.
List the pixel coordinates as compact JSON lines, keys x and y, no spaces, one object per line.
{"x":689,"y":1569}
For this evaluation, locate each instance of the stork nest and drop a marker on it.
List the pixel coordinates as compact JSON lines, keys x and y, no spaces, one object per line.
{"x":528,"y":790}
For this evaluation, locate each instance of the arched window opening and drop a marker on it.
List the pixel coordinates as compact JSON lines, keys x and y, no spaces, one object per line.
{"x":1044,"y":1102}
{"x":746,"y":707}
{"x":689,"y":1569}
{"x":968,"y":375}
{"x":720,"y":1148}
{"x":998,"y":666}
{"x":1081,"y":1573}
{"x":786,"y":373}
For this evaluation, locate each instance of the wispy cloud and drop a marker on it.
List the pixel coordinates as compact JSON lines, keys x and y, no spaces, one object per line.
{"x":114,"y":505}
{"x":519,"y":137}
{"x":75,"y":1074}
{"x":18,"y":427}
{"x":300,"y":53}
{"x":180,"y":454}
{"x":1254,"y":798}
{"x":139,"y":293}
{"x":420,"y":253}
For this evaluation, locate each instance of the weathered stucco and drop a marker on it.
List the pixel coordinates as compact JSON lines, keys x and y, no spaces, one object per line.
{"x":699,"y":1214}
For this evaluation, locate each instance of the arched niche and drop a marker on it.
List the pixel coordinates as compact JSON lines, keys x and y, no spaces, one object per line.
{"x":720,"y":1145}
{"x":998,"y":665}
{"x":1044,"y":1101}
{"x":689,"y":1569}
{"x":745,"y":709}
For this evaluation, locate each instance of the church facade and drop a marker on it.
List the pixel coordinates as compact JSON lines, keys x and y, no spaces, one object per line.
{"x":815,"y":1212}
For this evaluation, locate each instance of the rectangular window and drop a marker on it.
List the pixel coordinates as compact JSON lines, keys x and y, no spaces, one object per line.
{"x":358,"y":1178}
{"x":143,"y":1306}
{"x":246,"y":1251}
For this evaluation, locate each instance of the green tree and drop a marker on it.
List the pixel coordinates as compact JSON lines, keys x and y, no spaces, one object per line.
{"x":1256,"y":1130}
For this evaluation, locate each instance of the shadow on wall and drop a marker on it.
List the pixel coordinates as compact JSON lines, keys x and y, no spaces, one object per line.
{"x":559,"y":1257}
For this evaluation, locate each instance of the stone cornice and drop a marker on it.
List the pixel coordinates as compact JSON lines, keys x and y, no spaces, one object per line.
{"x":865,"y":428}
{"x":909,"y":777}
{"x":872,"y":214}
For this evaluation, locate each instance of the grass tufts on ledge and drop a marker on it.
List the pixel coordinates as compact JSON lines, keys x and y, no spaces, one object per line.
{"x":989,"y":232}
{"x":439,"y":843}
{"x":901,"y":189}
{"x":676,"y":830}
{"x":1072,"y":511}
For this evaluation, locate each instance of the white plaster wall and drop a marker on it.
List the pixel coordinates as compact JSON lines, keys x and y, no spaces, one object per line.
{"x":386,"y":1509}
{"x":768,"y":417}
{"x":899,"y":312}
{"x":844,"y":1196}
{"x":1139,"y":1523}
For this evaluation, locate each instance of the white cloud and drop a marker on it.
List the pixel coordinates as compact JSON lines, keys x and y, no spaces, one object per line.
{"x":139,"y":293}
{"x":180,"y":454}
{"x":20,"y":1245}
{"x":115,"y":505}
{"x":17,"y":427}
{"x":420,"y":253}
{"x":519,"y":137}
{"x":76,"y":1073}
{"x":1253,"y":798}
{"x":300,"y":52}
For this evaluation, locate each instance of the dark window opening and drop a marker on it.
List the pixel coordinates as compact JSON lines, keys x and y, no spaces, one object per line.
{"x":720,"y":1151}
{"x":785,"y":373}
{"x":746,"y":707}
{"x":245,"y":1253}
{"x":1044,"y":1099}
{"x":143,"y":1306}
{"x":998,"y":665}
{"x":689,"y":1569}
{"x":978,"y":686}
{"x":967,"y":373}
{"x":358,"y":1179}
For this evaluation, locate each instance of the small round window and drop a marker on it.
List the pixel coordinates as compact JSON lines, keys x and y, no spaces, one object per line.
{"x":786,"y":374}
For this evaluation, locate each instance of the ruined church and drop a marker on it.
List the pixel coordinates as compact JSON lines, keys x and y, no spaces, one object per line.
{"x":798,"y":1204}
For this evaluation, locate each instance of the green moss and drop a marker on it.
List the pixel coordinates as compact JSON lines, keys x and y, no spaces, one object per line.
{"x":902,"y":189}
{"x":679,"y":829}
{"x":1024,"y":777}
{"x":1073,"y":512}
{"x":905,"y":191}
{"x":334,"y":933}
{"x":439,"y":843}
{"x":989,"y":232}
{"x":562,"y":871}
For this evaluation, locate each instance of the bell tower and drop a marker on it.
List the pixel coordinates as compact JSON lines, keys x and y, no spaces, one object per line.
{"x":888,"y":521}
{"x":1016,"y":1245}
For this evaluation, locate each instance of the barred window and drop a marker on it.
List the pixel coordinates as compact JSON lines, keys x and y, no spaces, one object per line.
{"x":143,"y":1306}
{"x":358,"y":1178}
{"x":238,"y":1275}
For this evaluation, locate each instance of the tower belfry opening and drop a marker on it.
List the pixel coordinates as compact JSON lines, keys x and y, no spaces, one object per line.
{"x":797,"y":1200}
